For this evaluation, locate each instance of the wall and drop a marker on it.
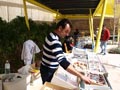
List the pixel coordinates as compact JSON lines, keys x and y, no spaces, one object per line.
{"x":83,"y":24}
{"x":9,"y":9}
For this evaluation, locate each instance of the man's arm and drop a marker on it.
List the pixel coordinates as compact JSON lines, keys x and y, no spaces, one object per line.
{"x":108,"y":34}
{"x":72,"y":70}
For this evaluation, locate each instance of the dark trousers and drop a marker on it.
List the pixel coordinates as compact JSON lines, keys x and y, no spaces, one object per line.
{"x":46,"y":73}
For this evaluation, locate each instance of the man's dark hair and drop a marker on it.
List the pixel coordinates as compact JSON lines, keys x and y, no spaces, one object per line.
{"x":63,"y":23}
{"x":104,"y":25}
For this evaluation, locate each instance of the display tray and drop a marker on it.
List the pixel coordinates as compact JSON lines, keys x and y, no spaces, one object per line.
{"x":96,"y":67}
{"x":96,"y":87}
{"x":99,"y":82}
{"x":80,"y":66}
{"x":97,"y":79}
{"x":79,"y":53}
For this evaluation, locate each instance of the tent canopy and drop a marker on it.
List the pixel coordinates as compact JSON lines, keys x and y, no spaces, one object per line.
{"x":75,"y":8}
{"x":71,"y":6}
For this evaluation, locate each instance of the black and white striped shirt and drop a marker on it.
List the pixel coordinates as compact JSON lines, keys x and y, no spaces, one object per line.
{"x":52,"y":52}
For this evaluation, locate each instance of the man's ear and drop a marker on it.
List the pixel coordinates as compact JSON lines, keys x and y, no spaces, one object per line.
{"x":60,"y":28}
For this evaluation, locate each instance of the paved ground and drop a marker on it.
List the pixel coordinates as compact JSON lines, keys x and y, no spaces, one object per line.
{"x":112,"y":65}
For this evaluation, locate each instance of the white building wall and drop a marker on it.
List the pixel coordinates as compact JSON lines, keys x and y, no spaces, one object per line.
{"x":3,"y":13}
{"x":9,"y":9}
{"x":13,"y":12}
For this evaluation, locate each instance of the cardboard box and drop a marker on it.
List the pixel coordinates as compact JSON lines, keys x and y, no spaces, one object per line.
{"x":65,"y":79}
{"x":50,"y":86}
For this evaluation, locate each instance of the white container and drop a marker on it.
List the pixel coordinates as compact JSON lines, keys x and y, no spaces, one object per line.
{"x":7,"y":67}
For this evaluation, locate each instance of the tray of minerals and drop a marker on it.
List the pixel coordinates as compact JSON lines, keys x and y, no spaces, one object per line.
{"x":92,"y":57}
{"x":97,"y":79}
{"x":80,"y":56}
{"x":73,"y":59}
{"x":84,"y":59}
{"x":96,"y":67}
{"x":98,"y":82}
{"x":80,"y":66}
{"x":79,"y":53}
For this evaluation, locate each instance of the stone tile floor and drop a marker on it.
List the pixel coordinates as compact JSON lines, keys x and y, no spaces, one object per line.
{"x":112,"y":65}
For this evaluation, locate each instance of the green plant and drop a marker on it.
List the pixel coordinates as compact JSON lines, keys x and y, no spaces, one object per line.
{"x":12,"y":36}
{"x":115,"y":50}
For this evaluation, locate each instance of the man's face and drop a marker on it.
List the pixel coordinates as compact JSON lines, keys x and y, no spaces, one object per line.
{"x":65,"y":32}
{"x":104,"y":27}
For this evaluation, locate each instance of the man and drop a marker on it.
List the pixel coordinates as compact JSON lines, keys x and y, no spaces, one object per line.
{"x":104,"y":38}
{"x":53,"y":55}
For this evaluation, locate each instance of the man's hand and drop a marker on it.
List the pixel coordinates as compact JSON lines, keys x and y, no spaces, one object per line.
{"x":86,"y":79}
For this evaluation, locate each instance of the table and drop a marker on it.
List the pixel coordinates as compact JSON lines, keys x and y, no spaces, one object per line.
{"x":22,"y":83}
{"x":94,"y":69}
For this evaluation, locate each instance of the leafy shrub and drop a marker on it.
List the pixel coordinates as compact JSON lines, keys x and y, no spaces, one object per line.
{"x":12,"y":36}
{"x":115,"y":50}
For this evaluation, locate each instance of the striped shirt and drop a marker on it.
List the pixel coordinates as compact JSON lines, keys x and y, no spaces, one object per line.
{"x":52,"y":52}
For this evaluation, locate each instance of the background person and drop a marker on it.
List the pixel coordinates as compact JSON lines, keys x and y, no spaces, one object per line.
{"x":105,"y":35}
{"x":53,"y":55}
{"x":76,"y":35}
{"x":68,"y":44}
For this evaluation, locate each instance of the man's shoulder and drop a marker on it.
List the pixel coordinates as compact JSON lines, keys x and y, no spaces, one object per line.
{"x":106,"y":30}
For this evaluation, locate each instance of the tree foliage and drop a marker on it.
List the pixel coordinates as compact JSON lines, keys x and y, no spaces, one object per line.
{"x":12,"y":36}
